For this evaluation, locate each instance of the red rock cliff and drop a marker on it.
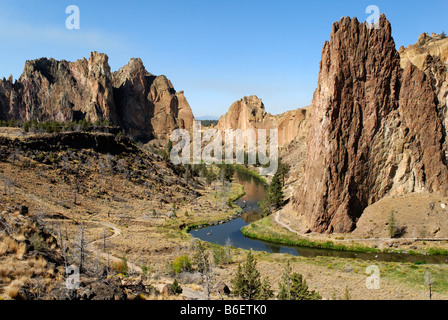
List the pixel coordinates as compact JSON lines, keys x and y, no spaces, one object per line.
{"x":144,"y":105}
{"x":375,"y":129}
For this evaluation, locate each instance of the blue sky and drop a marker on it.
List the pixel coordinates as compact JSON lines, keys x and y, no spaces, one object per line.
{"x":216,"y":51}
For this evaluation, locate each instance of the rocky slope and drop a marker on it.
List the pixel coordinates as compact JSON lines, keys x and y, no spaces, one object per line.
{"x":434,"y":45}
{"x":144,"y":105}
{"x":250,"y":113}
{"x":375,"y":128}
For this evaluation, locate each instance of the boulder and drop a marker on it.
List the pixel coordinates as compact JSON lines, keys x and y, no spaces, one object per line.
{"x":222,"y":288}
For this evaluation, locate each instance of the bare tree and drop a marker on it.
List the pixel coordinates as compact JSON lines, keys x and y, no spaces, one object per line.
{"x":81,"y":249}
{"x":9,"y":186}
{"x":202,"y":259}
{"x":429,"y":281}
{"x":105,"y":248}
{"x":62,"y":244}
{"x":14,"y":156}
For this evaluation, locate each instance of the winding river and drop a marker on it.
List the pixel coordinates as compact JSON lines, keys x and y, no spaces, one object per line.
{"x":255,"y":192}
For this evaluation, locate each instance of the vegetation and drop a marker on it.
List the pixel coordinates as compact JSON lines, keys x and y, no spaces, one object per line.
{"x":181,"y":264}
{"x":443,"y":35}
{"x":263,"y":230}
{"x":202,"y":259}
{"x":392,"y":225}
{"x":176,"y":288}
{"x":221,"y":255}
{"x":247,"y":282}
{"x":294,"y":287}
{"x":274,"y":196}
{"x":394,"y":228}
{"x":209,"y":123}
{"x":121,"y":267}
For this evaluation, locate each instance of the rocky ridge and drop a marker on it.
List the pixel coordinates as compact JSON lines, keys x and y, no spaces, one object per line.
{"x":250,"y":113}
{"x":144,"y":105}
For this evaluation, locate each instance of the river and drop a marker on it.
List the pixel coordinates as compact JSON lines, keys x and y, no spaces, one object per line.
{"x":255,"y":192}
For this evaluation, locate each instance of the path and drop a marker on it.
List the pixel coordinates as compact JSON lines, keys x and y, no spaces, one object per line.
{"x":277,"y":219}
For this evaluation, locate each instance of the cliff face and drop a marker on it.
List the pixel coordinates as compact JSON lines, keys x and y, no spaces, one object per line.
{"x":148,"y":103}
{"x":375,"y":129}
{"x":250,"y":113}
{"x":145,"y":106}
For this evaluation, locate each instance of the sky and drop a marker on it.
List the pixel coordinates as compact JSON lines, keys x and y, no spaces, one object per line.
{"x":216,"y":51}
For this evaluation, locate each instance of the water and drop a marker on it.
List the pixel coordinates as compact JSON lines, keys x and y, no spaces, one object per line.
{"x":255,"y":192}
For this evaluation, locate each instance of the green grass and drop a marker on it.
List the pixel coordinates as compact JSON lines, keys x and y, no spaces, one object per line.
{"x":409,"y":274}
{"x":437,"y":251}
{"x":264,"y":230}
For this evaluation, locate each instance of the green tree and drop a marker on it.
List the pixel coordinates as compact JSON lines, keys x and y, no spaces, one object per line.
{"x":26,"y":126}
{"x":274,"y":196}
{"x":276,"y":192}
{"x":247,"y":283}
{"x":443,"y":34}
{"x":266,"y":292}
{"x":210,"y":176}
{"x":294,"y":287}
{"x":226,"y":172}
{"x":392,"y":225}
{"x":283,"y":170}
{"x":176,"y":288}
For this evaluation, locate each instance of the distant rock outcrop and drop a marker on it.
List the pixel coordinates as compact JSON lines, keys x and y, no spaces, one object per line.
{"x":375,"y":128}
{"x":434,"y":45}
{"x":250,"y":113}
{"x":144,"y":105}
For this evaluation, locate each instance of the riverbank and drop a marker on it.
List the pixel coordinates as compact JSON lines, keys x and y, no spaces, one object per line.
{"x":235,"y":192}
{"x":242,"y":169}
{"x":268,"y":229}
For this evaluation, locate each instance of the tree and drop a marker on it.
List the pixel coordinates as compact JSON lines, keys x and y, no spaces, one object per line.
{"x":81,"y":249}
{"x":392,"y":224}
{"x":176,"y":288}
{"x":294,"y":287}
{"x":226,"y":173}
{"x":429,"y":281}
{"x":247,"y":283}
{"x":266,"y":292}
{"x":443,"y":35}
{"x":202,"y":259}
{"x":283,"y":170}
{"x":274,"y":196}
{"x":276,"y":192}
{"x":210,"y":176}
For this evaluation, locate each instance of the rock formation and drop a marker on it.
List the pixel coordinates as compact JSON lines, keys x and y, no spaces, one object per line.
{"x":435,"y":45}
{"x":148,"y":103}
{"x":144,"y":105}
{"x":250,"y":113}
{"x":375,"y":128}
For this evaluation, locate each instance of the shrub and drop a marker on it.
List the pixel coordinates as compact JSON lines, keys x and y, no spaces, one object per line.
{"x":121,"y":266}
{"x":176,"y":288}
{"x":181,"y":264}
{"x":37,"y":242}
{"x":220,"y":255}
